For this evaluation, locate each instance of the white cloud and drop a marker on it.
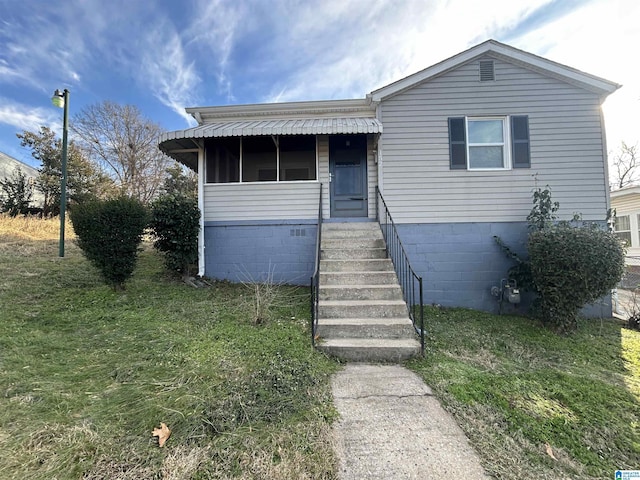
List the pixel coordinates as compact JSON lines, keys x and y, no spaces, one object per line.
{"x":360,"y":46}
{"x":250,"y":50}
{"x":600,"y":38}
{"x":167,"y":72}
{"x":24,"y":117}
{"x":212,"y":35}
{"x":38,"y":51}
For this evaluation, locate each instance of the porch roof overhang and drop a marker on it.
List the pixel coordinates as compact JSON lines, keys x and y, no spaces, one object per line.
{"x":183,"y":144}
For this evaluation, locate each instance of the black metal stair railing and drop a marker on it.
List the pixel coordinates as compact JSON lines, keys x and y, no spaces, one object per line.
{"x":315,"y":278}
{"x":410,"y":281}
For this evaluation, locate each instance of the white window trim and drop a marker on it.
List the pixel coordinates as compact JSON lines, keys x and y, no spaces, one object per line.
{"x":632,"y":228}
{"x":506,"y":135}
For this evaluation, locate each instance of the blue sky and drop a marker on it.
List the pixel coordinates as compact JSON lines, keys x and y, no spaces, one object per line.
{"x":165,"y":55}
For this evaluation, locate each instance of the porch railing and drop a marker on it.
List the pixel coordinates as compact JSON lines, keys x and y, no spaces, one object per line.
{"x":410,"y":281}
{"x":315,"y":278}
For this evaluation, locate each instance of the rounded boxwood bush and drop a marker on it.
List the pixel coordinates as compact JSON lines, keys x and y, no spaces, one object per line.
{"x":572,"y":267}
{"x":109,"y":233}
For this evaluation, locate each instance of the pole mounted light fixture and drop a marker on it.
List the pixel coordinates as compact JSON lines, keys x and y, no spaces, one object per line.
{"x":61,"y":100}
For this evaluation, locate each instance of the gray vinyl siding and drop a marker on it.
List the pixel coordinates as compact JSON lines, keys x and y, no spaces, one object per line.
{"x":261,"y":201}
{"x":565,"y":140}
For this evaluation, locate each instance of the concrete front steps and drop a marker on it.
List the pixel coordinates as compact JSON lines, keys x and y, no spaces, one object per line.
{"x":361,"y":314}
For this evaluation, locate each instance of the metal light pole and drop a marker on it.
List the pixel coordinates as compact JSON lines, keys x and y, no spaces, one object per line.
{"x":61,"y":100}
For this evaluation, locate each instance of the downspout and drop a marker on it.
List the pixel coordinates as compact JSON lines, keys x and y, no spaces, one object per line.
{"x":201,"y":208}
{"x":605,"y":157}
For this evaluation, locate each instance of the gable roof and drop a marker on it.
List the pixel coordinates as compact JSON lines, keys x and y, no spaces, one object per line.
{"x":510,"y":54}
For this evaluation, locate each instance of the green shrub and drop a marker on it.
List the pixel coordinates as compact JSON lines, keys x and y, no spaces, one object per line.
{"x":569,"y":264}
{"x":572,"y":267}
{"x":175,"y":221}
{"x":109,"y":233}
{"x":16,"y":193}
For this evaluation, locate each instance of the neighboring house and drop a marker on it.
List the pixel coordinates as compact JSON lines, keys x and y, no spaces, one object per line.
{"x":9,"y":165}
{"x":626,"y":203}
{"x":455,"y":149}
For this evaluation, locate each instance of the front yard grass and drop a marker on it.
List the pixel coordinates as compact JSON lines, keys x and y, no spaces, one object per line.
{"x":536,"y":405}
{"x":87,"y":373}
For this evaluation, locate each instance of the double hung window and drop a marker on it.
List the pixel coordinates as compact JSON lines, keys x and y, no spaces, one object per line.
{"x":623,"y":229}
{"x":486,"y":146}
{"x":489,"y":143}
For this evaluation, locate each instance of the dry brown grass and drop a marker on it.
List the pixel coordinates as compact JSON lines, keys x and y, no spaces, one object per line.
{"x":33,"y":228}
{"x":26,"y":236}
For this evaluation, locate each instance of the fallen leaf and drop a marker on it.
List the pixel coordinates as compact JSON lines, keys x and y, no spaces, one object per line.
{"x":163,"y":433}
{"x":549,"y":451}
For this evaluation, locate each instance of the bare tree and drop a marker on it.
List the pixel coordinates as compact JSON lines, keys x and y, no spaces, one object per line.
{"x":126,"y":145}
{"x":625,"y":163}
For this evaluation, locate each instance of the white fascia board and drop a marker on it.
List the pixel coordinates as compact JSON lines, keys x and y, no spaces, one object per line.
{"x":356,"y":107}
{"x":623,"y":192}
{"x":500,"y":50}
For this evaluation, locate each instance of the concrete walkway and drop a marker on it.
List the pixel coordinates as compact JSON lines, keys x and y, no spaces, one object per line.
{"x":392,"y":427}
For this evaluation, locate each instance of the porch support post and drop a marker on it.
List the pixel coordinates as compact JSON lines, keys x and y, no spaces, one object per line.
{"x":201,"y":174}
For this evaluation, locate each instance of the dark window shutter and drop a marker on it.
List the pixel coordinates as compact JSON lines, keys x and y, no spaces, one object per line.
{"x":457,"y":144}
{"x":520,"y":151}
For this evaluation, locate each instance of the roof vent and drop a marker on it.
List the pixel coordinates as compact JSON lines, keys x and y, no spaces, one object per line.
{"x":487,"y":73}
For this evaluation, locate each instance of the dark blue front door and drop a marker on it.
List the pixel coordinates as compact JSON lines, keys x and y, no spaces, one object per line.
{"x":348,"y":171}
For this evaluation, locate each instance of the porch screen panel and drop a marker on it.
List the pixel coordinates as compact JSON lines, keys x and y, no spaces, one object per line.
{"x":222,"y":160}
{"x":259,"y":159}
{"x":297,"y":157}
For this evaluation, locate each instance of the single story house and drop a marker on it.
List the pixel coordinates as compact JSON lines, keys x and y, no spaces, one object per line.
{"x":626,"y":203}
{"x":456,"y":151}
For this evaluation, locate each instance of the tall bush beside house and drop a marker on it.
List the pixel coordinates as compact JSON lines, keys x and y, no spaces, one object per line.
{"x":109,"y":233}
{"x":572,"y":267}
{"x":570,"y":264}
{"x":175,"y":222}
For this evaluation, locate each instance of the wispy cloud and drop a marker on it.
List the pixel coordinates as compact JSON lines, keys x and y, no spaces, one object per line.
{"x":35,"y":50}
{"x":165,"y":68}
{"x":167,"y":55}
{"x":24,"y":117}
{"x":62,"y":46}
{"x":587,"y":47}
{"x":359,"y":46}
{"x":213,"y":33}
